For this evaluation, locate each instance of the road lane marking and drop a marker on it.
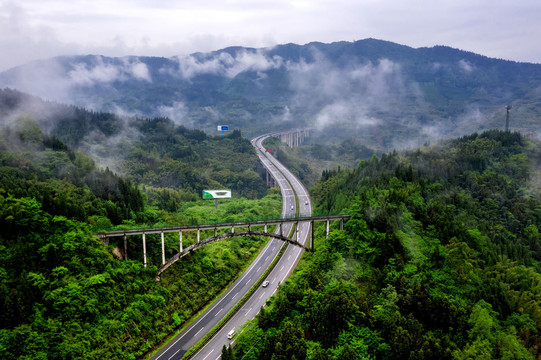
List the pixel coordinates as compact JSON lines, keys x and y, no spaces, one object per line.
{"x":208,"y":354}
{"x":199,"y":331}
{"x":170,"y":357}
{"x":234,"y":296}
{"x":218,"y":312}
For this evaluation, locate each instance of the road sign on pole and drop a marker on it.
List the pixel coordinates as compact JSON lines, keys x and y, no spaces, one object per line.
{"x":216,"y":194}
{"x":223,"y":128}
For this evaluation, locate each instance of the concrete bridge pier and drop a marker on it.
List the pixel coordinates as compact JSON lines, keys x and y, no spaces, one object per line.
{"x":294,"y":138}
{"x":198,"y":236}
{"x":125,"y":247}
{"x":144,"y":250}
{"x":271,"y":182}
{"x":327,"y":229}
{"x":312,"y":235}
{"x":180,"y":241}
{"x":163,"y":249}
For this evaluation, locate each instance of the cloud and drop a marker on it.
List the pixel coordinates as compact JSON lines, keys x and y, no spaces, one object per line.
{"x":352,"y":96}
{"x":178,"y":112}
{"x":140,"y":71}
{"x":225,"y":64}
{"x":82,"y":74}
{"x":86,"y":74}
{"x":465,"y":66}
{"x":344,"y":113}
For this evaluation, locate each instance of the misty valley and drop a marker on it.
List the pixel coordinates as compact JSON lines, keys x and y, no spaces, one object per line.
{"x":434,"y":153}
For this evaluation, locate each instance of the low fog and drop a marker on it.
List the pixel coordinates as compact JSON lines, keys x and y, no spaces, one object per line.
{"x":377,"y":101}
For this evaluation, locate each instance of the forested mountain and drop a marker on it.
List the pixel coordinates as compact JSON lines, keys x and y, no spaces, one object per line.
{"x":63,"y":182}
{"x":441,"y":259}
{"x":385,"y":94}
{"x":66,"y":295}
{"x":149,"y":151}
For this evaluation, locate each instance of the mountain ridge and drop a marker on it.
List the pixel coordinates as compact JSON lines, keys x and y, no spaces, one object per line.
{"x":363,"y":87}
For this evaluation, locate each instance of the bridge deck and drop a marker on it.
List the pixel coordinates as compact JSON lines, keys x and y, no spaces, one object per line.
{"x":220,"y":225}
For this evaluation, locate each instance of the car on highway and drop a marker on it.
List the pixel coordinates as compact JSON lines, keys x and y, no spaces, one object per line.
{"x":265,"y":283}
{"x":230,"y":334}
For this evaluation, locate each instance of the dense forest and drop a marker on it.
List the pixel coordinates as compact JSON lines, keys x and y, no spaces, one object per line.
{"x":149,"y":151}
{"x":63,"y":293}
{"x":440,"y":260}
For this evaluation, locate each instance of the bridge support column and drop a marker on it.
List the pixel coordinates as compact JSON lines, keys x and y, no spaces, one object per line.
{"x":265,"y":228}
{"x":125,"y":247}
{"x":341,"y":224}
{"x":327,"y":230}
{"x":163,"y":249}
{"x":297,"y":231}
{"x":198,"y":235}
{"x":232,"y":229}
{"x":215,"y":231}
{"x":144,"y":250}
{"x":281,"y":233}
{"x":312,"y":233}
{"x":180,"y":241}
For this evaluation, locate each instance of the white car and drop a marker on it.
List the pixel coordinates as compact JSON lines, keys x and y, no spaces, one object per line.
{"x":265,"y":283}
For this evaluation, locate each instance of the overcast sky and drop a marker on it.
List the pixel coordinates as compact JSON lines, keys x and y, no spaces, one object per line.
{"x":36,"y":29}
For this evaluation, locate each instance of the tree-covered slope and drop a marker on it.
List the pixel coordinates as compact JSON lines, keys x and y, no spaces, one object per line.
{"x":440,"y":260}
{"x":64,"y":182}
{"x":66,"y":295}
{"x":149,"y":151}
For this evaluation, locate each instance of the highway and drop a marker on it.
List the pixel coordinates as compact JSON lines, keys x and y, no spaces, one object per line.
{"x":285,"y":265}
{"x":288,"y":184}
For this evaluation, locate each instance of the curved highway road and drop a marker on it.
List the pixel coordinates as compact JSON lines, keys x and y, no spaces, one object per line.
{"x":285,"y":265}
{"x":289,"y":185}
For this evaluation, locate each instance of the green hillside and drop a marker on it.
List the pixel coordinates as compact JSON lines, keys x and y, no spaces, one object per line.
{"x":440,"y":260}
{"x":63,"y":293}
{"x":148,"y":151}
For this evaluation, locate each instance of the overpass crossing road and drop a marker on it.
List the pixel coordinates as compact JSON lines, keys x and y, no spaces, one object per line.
{"x":289,"y":185}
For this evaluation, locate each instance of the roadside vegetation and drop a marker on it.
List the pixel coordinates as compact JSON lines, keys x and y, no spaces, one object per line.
{"x":63,"y":294}
{"x":440,"y":260}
